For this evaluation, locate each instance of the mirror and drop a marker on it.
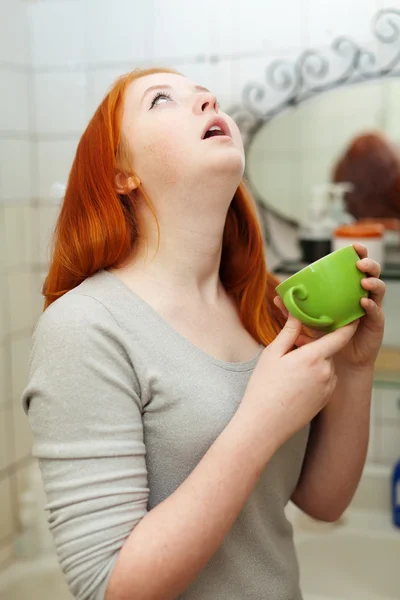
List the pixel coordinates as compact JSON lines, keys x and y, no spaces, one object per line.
{"x":300,"y":147}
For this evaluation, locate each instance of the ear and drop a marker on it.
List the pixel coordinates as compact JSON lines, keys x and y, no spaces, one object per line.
{"x":124,"y":184}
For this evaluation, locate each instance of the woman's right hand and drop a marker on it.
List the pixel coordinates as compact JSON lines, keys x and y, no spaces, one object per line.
{"x":289,"y":387}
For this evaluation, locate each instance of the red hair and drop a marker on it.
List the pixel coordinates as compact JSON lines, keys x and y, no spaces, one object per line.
{"x":98,"y":228}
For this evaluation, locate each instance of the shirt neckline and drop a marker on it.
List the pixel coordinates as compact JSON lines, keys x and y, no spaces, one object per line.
{"x":173,"y":333}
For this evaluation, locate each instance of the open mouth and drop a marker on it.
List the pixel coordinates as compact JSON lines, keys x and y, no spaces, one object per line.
{"x":216,"y":128}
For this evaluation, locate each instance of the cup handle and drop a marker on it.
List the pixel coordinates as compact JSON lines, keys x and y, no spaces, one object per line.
{"x":289,"y":300}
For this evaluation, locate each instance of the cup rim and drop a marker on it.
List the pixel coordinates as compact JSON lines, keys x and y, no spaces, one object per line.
{"x":315,"y":262}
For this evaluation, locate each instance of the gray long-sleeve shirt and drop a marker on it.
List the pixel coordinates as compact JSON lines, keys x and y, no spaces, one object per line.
{"x":122,"y":409}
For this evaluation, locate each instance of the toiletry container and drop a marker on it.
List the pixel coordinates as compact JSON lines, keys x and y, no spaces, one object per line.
{"x":337,"y":206}
{"x":369,"y":235}
{"x":315,"y":234}
{"x":396,"y":494}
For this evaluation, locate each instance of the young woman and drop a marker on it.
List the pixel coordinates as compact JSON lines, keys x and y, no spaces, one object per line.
{"x":170,"y":399}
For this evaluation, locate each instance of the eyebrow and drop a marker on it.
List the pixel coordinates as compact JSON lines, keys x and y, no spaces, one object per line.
{"x":197,"y":88}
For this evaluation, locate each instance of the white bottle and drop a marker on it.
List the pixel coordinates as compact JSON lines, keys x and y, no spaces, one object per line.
{"x":337,"y":205}
{"x":316,"y":231}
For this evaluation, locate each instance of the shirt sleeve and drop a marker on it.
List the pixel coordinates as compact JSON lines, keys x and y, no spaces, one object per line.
{"x":84,"y":408}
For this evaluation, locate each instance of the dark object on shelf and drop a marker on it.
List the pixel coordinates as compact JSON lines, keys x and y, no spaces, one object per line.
{"x":312,"y":250}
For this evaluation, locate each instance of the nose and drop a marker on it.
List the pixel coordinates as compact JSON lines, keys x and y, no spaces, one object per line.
{"x":206,"y":102}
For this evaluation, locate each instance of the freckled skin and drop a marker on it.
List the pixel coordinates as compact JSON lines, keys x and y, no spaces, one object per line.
{"x":164,"y":162}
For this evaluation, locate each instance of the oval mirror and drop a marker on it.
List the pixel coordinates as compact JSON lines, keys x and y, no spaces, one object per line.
{"x":299,"y":148}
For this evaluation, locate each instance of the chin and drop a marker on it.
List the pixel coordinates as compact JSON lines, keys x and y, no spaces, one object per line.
{"x":229,"y":162}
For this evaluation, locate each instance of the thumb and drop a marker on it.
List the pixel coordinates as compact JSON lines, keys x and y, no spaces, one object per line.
{"x":332,"y":343}
{"x":286,"y":339}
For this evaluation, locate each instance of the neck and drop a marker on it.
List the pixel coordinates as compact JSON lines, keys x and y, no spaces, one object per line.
{"x":186,"y":256}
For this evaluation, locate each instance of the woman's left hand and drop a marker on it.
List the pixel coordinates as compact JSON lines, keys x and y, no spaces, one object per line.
{"x":363,"y":348}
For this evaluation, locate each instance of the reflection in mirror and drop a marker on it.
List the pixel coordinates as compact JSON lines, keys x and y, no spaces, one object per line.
{"x":371,"y":165}
{"x":336,"y":136}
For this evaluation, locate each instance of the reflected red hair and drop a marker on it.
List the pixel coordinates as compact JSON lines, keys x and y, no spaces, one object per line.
{"x":372,"y":164}
{"x":98,"y":228}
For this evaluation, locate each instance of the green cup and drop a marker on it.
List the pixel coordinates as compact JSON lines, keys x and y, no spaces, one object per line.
{"x":326,"y":295}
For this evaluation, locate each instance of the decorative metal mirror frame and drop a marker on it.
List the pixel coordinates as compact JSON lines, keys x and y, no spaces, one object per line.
{"x":310,"y":75}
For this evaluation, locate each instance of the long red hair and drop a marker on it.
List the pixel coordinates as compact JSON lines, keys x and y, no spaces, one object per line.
{"x":98,"y":228}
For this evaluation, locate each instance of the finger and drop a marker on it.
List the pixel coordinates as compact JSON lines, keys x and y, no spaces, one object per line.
{"x":361,"y":250}
{"x":369,"y":266}
{"x":373,"y":311}
{"x":376,"y":288}
{"x":279,"y":304}
{"x":303,"y":340}
{"x":287,"y":337}
{"x":332,"y":343}
{"x":308,"y":336}
{"x":333,"y":383}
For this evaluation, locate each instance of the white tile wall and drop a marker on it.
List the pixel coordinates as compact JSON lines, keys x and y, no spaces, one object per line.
{"x":22,"y":432}
{"x":224,"y":24}
{"x":182,"y":29}
{"x":4,"y":445}
{"x":372,"y":446}
{"x":6,"y":513}
{"x":327,"y":20}
{"x":267,"y":25}
{"x":47,"y":220}
{"x":389,"y":405}
{"x":2,"y":240}
{"x":30,"y":237}
{"x":60,"y":101}
{"x":23,"y":475}
{"x":58,"y":33}
{"x":391,"y":306}
{"x":3,"y":372}
{"x":99,"y":82}
{"x":121,"y":30}
{"x":20,"y":350}
{"x":55,"y":162}
{"x":20,"y":290}
{"x":390,"y":443}
{"x":37,"y":301}
{"x":385,"y":426}
{"x":15,"y":169}
{"x":6,"y":553}
{"x":14,"y":48}
{"x":14,"y":101}
{"x":15,"y":234}
{"x":389,"y":4}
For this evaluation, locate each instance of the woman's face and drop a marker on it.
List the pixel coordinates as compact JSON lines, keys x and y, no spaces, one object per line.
{"x":166,"y":119}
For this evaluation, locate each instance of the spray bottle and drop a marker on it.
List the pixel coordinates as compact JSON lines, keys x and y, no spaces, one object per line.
{"x":338,"y":210}
{"x":316,"y":231}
